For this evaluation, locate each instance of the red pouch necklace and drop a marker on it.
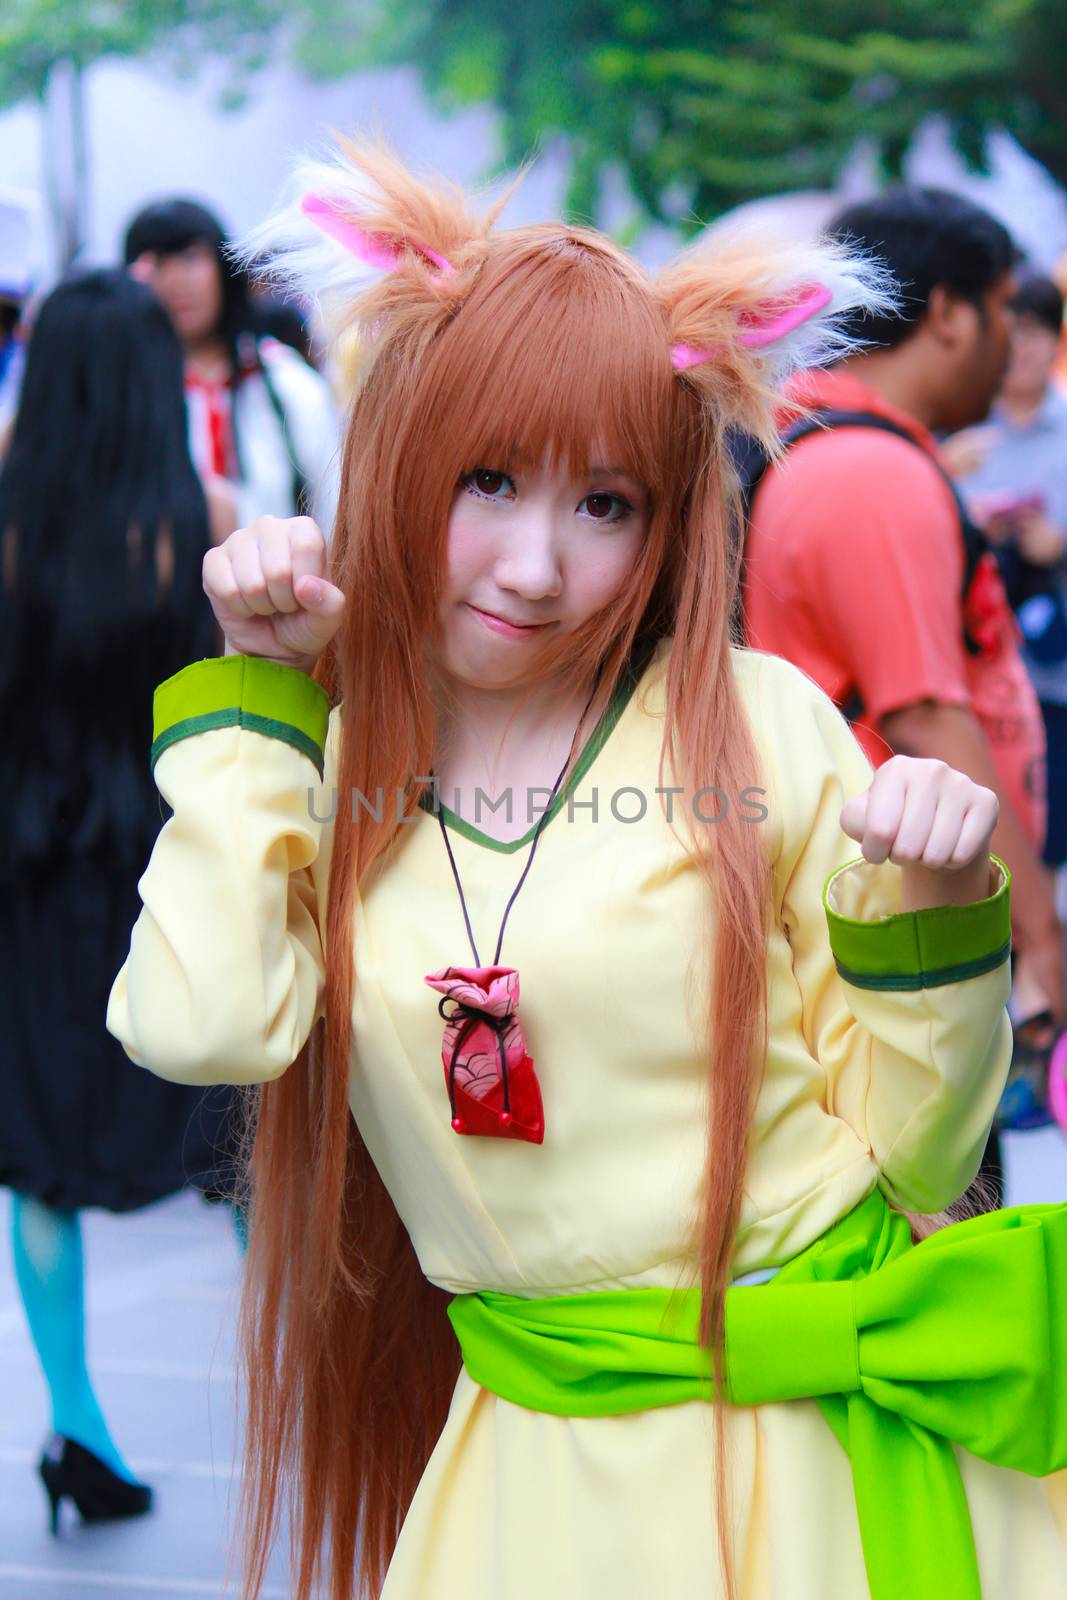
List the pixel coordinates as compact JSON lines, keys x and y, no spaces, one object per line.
{"x":492,"y":1086}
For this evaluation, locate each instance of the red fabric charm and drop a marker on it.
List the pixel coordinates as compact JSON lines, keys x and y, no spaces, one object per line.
{"x":493,"y":1089}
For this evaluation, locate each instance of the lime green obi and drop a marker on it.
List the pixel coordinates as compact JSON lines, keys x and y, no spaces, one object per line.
{"x":908,"y":1350}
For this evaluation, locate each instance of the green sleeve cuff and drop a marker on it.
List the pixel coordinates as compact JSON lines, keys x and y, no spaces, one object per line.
{"x":242,"y":692}
{"x":917,"y":949}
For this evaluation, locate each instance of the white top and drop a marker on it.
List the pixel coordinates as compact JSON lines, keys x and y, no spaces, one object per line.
{"x":266,"y":485}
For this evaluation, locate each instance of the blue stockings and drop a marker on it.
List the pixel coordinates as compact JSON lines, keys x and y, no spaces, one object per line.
{"x":50,"y":1273}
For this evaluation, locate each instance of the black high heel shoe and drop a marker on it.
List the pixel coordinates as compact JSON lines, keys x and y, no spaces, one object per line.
{"x":68,"y":1469}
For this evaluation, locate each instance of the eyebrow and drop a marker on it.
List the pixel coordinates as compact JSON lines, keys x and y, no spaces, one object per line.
{"x":614,"y":472}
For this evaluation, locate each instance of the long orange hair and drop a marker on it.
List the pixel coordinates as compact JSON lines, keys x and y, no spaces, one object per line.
{"x":543,"y":342}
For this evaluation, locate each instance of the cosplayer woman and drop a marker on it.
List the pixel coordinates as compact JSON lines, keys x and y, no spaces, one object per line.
{"x":104,"y":531}
{"x":671,"y":1058}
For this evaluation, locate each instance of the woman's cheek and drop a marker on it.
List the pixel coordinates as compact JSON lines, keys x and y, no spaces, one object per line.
{"x":469,"y":544}
{"x":603,"y":568}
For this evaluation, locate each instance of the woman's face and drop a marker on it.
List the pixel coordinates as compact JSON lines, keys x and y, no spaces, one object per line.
{"x":531,"y":558}
{"x":189,"y":283}
{"x":1034,"y":348}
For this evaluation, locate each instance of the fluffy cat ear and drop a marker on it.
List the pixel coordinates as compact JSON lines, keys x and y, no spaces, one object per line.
{"x":348,"y":223}
{"x":748,"y":299}
{"x":765,"y":325}
{"x":376,"y":250}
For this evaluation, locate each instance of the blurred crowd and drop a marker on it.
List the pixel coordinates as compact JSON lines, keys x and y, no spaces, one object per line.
{"x":909,"y":552}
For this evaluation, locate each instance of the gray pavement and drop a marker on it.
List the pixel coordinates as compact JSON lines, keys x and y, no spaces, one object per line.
{"x":162,"y":1291}
{"x":162,"y":1294}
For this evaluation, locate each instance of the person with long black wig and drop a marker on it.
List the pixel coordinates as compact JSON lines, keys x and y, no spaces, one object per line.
{"x":261,"y":419}
{"x":104,"y":528}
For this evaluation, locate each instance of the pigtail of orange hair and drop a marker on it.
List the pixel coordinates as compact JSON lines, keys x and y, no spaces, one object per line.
{"x":332,"y":1366}
{"x":349,"y":1358}
{"x":712,"y":742}
{"x":731,"y":307}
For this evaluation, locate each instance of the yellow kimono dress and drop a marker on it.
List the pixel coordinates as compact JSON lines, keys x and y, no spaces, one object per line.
{"x":869,"y":1083}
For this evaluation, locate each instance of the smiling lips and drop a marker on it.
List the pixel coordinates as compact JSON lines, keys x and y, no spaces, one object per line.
{"x":509,"y":630}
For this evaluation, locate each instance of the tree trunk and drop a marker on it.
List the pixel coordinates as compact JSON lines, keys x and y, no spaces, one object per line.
{"x":57,"y":130}
{"x":80,"y":156}
{"x":53,"y":185}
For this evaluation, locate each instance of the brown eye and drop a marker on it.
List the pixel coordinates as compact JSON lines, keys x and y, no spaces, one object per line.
{"x":605,"y":507}
{"x":488,"y":482}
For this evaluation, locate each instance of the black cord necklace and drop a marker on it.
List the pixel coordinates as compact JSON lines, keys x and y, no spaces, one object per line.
{"x":492,"y":1087}
{"x":541,"y":821}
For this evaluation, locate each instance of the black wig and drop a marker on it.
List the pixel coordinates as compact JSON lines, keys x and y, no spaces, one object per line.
{"x":97,"y":471}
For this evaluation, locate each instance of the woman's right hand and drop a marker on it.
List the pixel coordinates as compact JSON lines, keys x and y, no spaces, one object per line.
{"x":268,"y":589}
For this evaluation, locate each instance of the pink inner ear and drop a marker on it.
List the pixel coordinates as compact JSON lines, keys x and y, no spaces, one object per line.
{"x":769,"y":323}
{"x":376,"y":249}
{"x":775,"y":320}
{"x":688,"y":355}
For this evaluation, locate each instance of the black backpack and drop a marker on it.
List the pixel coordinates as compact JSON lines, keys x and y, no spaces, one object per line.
{"x":752,"y":463}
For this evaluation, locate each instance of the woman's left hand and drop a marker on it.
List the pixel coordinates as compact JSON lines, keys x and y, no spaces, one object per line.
{"x":935,"y":823}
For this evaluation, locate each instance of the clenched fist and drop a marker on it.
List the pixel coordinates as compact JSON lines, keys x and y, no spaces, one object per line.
{"x":268,"y":589}
{"x":935,"y":823}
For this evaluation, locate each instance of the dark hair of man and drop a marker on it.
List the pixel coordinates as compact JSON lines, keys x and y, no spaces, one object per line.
{"x":169,"y":226}
{"x":97,"y":469}
{"x":926,"y":238}
{"x":1039,"y":297}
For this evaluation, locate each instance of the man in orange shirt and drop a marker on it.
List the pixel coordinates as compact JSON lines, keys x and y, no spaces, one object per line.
{"x":855,"y":555}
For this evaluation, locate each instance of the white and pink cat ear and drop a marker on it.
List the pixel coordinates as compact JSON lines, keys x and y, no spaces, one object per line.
{"x":380,"y":251}
{"x":794,"y":320}
{"x":774,"y":321}
{"x":763,"y":326}
{"x":337,"y":230}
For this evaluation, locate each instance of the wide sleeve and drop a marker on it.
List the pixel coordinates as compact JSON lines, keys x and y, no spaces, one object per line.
{"x":904,"y":1011}
{"x":225,"y":975}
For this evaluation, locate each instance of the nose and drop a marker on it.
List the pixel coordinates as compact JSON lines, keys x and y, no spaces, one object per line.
{"x":529,"y":564}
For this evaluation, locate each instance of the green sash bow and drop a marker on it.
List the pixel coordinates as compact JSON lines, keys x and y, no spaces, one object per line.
{"x":905,"y":1348}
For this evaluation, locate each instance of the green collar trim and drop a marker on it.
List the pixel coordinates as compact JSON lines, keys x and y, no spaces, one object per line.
{"x":920,"y":949}
{"x":244,"y":692}
{"x":624,"y":691}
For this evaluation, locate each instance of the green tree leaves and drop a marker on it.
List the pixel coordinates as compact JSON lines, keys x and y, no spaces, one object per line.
{"x":725,"y":99}
{"x":700,"y":103}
